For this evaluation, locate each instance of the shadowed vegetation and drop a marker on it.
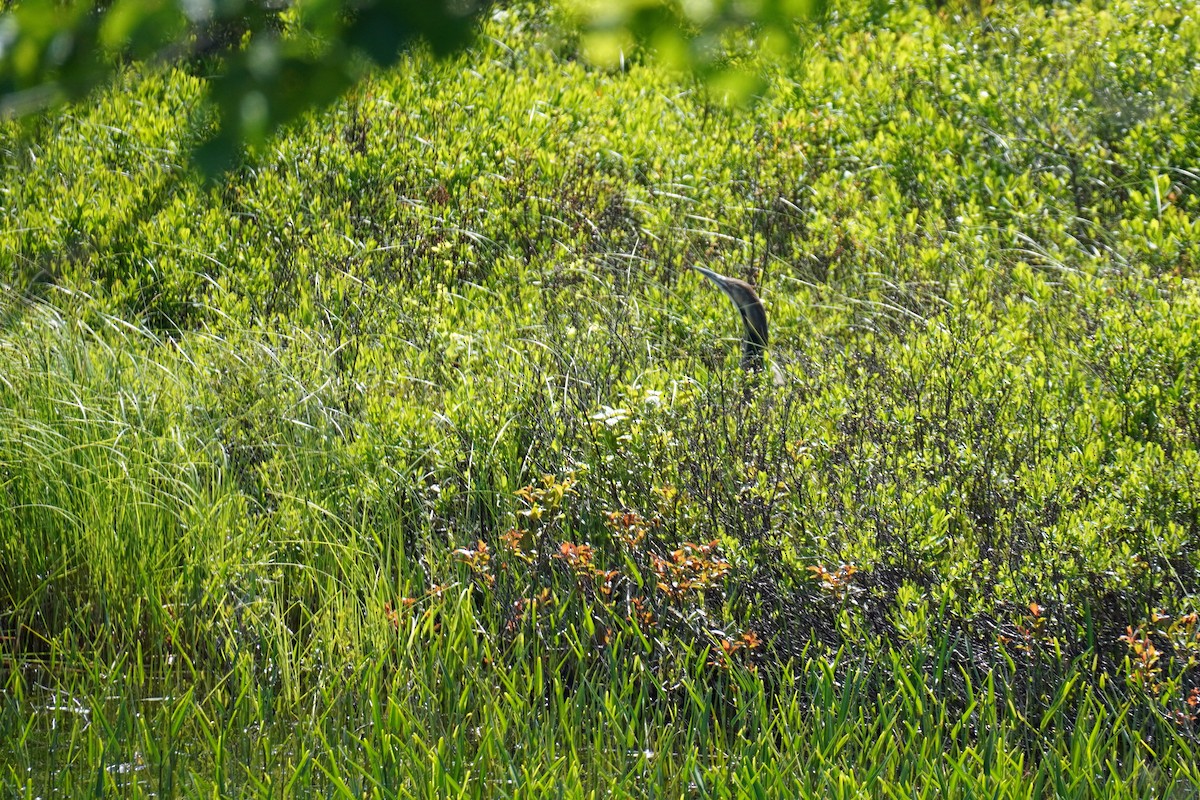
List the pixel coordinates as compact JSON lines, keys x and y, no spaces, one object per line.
{"x":412,"y":460}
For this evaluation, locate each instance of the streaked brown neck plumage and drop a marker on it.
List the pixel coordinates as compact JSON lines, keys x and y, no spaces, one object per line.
{"x":752,"y":313}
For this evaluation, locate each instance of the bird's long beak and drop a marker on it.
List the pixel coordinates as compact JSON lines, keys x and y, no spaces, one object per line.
{"x":717,"y":278}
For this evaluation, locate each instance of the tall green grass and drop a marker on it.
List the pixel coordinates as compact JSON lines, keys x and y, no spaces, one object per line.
{"x":411,"y":461}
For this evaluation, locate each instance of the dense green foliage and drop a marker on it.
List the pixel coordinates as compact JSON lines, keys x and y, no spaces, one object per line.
{"x":268,"y":61}
{"x":411,"y":460}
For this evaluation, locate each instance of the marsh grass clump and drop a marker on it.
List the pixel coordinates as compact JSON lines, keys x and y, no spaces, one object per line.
{"x":407,"y":461}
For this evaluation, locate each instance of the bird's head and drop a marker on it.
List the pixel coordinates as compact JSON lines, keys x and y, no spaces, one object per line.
{"x":752,"y":312}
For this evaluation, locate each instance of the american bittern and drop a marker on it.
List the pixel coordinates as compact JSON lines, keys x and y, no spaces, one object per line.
{"x":754,"y":316}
